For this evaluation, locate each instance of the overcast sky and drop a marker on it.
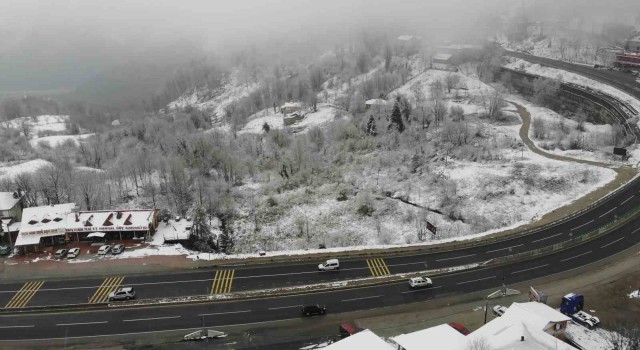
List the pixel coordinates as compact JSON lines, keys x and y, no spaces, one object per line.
{"x":49,"y":40}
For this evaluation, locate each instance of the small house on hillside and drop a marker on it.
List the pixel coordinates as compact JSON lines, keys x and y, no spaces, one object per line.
{"x":633,"y":44}
{"x":11,"y":204}
{"x":441,"y":61}
{"x":291,"y":107}
{"x":376,"y":105}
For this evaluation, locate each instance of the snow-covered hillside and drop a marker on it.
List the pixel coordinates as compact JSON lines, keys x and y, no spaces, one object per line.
{"x":215,"y":101}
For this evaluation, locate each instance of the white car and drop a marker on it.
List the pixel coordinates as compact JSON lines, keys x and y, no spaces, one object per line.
{"x":104,"y":250}
{"x":420,"y":282}
{"x":126,"y":293}
{"x":73,"y":253}
{"x":329,"y":265}
{"x":499,"y":310}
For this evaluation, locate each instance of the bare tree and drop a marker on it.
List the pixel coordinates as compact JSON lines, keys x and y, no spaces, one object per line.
{"x":478,"y":344}
{"x":451,"y":81}
{"x":26,"y":127}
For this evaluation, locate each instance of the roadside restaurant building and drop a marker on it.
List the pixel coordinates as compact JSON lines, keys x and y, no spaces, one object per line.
{"x":43,"y":226}
{"x":112,"y":224}
{"x":60,"y":224}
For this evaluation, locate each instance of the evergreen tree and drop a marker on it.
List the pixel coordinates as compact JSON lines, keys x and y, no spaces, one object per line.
{"x":395,"y":121}
{"x":225,"y":241}
{"x":371,"y":126}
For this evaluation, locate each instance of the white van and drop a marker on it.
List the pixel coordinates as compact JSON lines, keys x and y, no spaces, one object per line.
{"x":329,"y":265}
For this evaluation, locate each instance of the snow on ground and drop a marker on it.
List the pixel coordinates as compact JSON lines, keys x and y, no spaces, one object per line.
{"x":9,"y":171}
{"x":548,"y":48}
{"x":596,"y":339}
{"x":573,"y":78}
{"x":595,"y":137}
{"x":215,"y":101}
{"x":635,"y":294}
{"x":469,"y":85}
{"x":325,"y":115}
{"x":57,"y":140}
{"x":54,"y":123}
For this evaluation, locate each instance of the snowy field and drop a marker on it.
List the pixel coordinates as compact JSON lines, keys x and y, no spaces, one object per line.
{"x":53,"y":123}
{"x":325,"y":115}
{"x":57,"y":140}
{"x":11,"y":170}
{"x":594,"y":137}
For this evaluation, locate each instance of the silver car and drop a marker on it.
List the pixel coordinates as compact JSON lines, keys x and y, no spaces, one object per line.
{"x":126,"y":293}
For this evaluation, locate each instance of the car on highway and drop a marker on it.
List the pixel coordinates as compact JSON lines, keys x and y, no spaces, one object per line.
{"x":61,"y":253}
{"x":4,"y":250}
{"x":311,"y":310}
{"x":420,"y":282}
{"x":126,"y":293}
{"x":117,"y":249}
{"x":329,"y":265}
{"x":499,"y":310}
{"x":73,"y":253}
{"x":104,"y":250}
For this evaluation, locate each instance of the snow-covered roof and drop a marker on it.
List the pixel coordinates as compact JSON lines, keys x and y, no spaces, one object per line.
{"x":115,"y":122}
{"x":522,"y":320}
{"x":442,"y":337}
{"x":635,"y":38}
{"x":45,"y":218}
{"x":442,"y":56}
{"x":543,"y":311}
{"x":8,"y":201}
{"x":376,"y":101}
{"x":362,"y":340}
{"x":44,"y":221}
{"x":292,"y":105}
{"x":110,"y":220}
{"x":174,"y":230}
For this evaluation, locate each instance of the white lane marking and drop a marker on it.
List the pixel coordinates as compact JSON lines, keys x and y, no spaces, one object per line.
{"x":479,"y":279}
{"x":614,"y":208}
{"x":375,"y":296}
{"x":573,"y":257}
{"x":284,"y":307}
{"x":4,"y":327}
{"x":542,"y":239}
{"x":81,"y":323}
{"x":146,"y":332}
{"x":586,"y":223}
{"x":457,"y":257}
{"x":421,"y":289}
{"x":529,"y":269}
{"x":634,"y":231}
{"x":626,"y":200}
{"x":513,"y":246}
{"x":225,"y":313}
{"x":610,"y":243}
{"x":151,"y":319}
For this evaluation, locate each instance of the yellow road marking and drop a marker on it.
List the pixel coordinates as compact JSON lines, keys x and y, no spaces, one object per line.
{"x":25,"y":294}
{"x":378,"y":267}
{"x":109,"y":285}
{"x":222,"y":281}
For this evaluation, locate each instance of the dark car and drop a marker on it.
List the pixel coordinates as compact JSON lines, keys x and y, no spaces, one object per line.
{"x":311,"y":310}
{"x":4,"y":250}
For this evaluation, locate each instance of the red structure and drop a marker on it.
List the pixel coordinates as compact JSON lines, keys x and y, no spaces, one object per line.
{"x":627,"y":60}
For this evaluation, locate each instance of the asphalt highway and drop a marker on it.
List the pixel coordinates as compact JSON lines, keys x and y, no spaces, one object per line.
{"x":144,"y":320}
{"x":237,"y":278}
